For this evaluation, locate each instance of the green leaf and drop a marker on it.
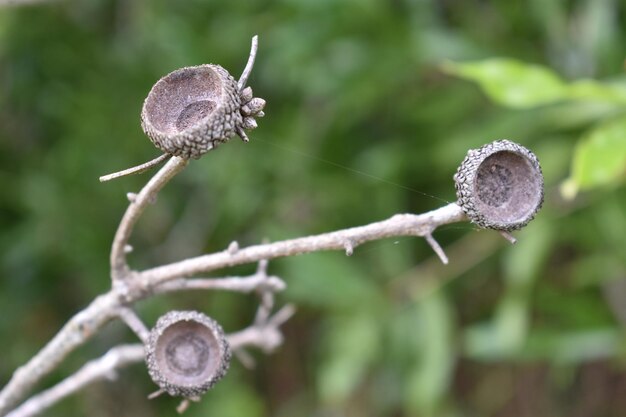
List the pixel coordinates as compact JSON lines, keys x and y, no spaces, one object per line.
{"x":591,"y":90}
{"x":599,"y":158}
{"x":520,"y":85}
{"x":512,"y":83}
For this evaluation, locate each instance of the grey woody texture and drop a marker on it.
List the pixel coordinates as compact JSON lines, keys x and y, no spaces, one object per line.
{"x":187,"y":353}
{"x":500,"y":186}
{"x":192,"y":110}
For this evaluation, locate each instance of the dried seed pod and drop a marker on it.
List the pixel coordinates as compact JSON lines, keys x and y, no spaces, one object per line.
{"x":187,"y":353}
{"x":192,"y":110}
{"x":500,"y":186}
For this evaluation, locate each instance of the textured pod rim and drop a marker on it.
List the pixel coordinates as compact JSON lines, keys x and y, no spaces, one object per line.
{"x":191,"y":110}
{"x":179,"y":336}
{"x":500,"y":185}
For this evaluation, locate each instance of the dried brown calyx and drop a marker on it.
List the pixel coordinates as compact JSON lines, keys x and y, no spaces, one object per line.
{"x":187,"y":353}
{"x":500,"y":185}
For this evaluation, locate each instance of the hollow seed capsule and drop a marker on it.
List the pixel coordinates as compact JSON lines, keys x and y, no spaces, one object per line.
{"x":192,"y":110}
{"x":187,"y":353}
{"x":500,"y":186}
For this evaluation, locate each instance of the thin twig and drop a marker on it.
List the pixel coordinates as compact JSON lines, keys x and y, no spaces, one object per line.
{"x":398,"y":225}
{"x":93,"y":371}
{"x":281,"y":316}
{"x":265,"y":336}
{"x":267,"y":297}
{"x":245,"y":358}
{"x":248,"y":69}
{"x":136,"y":169}
{"x":119,"y":267}
{"x":133,"y":321}
{"x":235,"y":284}
{"x":265,"y":307}
{"x":74,"y":333}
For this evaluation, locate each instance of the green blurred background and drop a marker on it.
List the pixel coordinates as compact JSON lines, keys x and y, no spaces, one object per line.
{"x":371,"y":106}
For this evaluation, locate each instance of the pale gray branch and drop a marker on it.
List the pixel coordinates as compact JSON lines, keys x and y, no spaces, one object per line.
{"x":235,"y":284}
{"x":398,"y":225}
{"x":266,"y":335}
{"x":133,"y":321}
{"x":93,"y":371}
{"x":138,"y":285}
{"x":129,"y":286}
{"x":119,"y":267}
{"x":74,"y":333}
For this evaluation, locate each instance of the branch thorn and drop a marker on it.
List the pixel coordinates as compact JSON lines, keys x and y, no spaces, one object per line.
{"x":245,"y":358}
{"x":435,"y":245}
{"x":349,"y":247}
{"x":183,"y":406}
{"x":156,"y":394}
{"x":233,"y":248}
{"x":242,"y":135}
{"x":508,"y":236}
{"x":282,"y":315}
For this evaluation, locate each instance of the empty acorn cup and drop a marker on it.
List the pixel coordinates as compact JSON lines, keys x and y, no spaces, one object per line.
{"x":192,"y":110}
{"x":500,"y":186}
{"x":187,"y":353}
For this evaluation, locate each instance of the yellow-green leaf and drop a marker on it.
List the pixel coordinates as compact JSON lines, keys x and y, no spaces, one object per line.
{"x":592,"y":90}
{"x":512,"y":83}
{"x":600,"y":158}
{"x":520,"y":85}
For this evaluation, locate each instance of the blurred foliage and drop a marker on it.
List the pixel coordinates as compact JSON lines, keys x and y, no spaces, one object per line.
{"x":366,"y":117}
{"x":600,"y":158}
